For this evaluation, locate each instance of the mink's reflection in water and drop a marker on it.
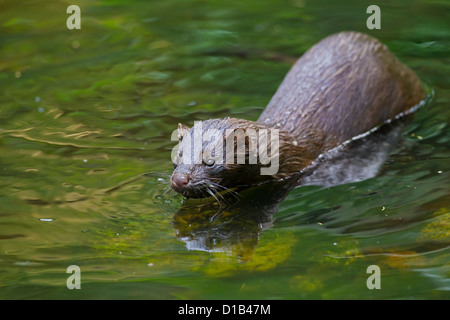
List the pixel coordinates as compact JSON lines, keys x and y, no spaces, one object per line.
{"x":235,"y":224}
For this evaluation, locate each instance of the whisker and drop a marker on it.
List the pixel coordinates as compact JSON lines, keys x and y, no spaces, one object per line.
{"x":220,"y":206}
{"x":212,"y":193}
{"x":232,"y":192}
{"x":168,"y":189}
{"x":226,"y":188}
{"x":213,"y":178}
{"x":212,"y":186}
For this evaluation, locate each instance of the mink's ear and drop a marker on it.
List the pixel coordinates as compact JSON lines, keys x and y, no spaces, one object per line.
{"x":182,"y":131}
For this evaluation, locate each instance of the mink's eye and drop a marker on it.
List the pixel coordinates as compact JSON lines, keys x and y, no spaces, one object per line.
{"x":210,"y":162}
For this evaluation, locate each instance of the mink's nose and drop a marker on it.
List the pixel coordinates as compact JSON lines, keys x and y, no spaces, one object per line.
{"x":179,"y":181}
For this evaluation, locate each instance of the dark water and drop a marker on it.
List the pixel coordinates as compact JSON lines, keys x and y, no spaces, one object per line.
{"x":85,"y":123}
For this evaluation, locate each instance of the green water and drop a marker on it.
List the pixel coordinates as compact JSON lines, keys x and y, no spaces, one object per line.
{"x":85,"y":123}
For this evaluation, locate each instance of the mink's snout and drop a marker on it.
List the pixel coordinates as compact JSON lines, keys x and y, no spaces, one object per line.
{"x":179,"y":181}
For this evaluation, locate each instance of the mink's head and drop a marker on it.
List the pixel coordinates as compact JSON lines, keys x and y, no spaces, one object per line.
{"x":209,"y":158}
